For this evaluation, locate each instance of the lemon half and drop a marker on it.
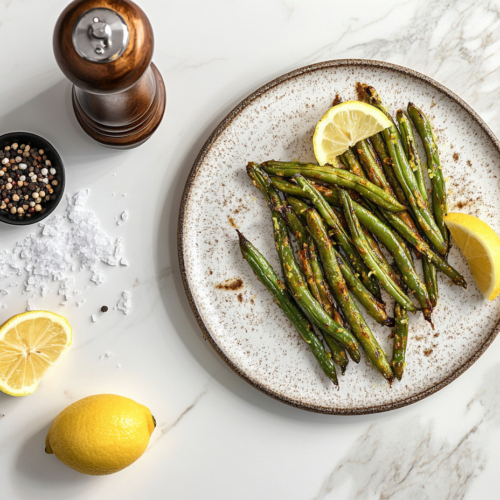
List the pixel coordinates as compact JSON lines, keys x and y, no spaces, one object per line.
{"x":343,"y":126}
{"x":480,"y":245}
{"x":30,"y":343}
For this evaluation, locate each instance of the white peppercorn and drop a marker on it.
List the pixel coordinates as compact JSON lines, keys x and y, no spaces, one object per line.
{"x":44,"y":171}
{"x":38,"y":207}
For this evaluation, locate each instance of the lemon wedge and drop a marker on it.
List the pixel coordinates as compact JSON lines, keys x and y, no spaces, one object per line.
{"x":480,"y":245}
{"x":343,"y":126}
{"x":30,"y":343}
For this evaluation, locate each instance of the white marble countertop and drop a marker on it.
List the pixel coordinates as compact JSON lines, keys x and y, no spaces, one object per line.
{"x":217,"y":437}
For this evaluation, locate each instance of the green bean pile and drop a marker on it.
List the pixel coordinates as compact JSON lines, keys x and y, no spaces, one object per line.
{"x":345,"y":219}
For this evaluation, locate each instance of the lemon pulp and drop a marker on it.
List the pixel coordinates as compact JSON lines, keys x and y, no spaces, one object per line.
{"x":30,"y":343}
{"x":480,"y":245}
{"x":343,"y":126}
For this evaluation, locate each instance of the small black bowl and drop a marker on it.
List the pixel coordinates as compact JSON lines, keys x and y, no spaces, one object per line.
{"x":40,"y":143}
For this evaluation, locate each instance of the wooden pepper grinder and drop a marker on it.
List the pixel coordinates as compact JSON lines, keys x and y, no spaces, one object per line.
{"x":105,"y":47}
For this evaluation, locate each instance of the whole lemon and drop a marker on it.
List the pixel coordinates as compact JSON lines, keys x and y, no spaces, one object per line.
{"x":100,"y":434}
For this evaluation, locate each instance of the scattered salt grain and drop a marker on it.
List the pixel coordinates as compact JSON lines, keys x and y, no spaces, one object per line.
{"x":94,"y":318}
{"x":125,"y":302}
{"x":30,"y":306}
{"x":97,"y":278}
{"x":123,"y":218}
{"x":118,"y":365}
{"x":106,"y":355}
{"x":65,"y":244}
{"x":124,"y":262}
{"x":79,"y":303}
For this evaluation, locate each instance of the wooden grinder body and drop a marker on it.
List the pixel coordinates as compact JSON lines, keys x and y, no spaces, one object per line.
{"x":121,"y":102}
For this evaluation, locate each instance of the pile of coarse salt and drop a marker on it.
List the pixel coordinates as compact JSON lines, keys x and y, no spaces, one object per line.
{"x":62,"y":249}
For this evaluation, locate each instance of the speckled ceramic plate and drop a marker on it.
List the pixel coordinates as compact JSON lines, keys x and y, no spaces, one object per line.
{"x":236,"y":313}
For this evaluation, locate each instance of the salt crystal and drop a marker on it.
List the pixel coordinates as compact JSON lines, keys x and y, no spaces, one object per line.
{"x":79,"y":303}
{"x":125,"y":302}
{"x":94,"y":318}
{"x":111,"y":261}
{"x":97,"y":278}
{"x":118,"y":247}
{"x":4,"y":292}
{"x":124,"y":262}
{"x":123,"y":217}
{"x":106,"y":355}
{"x":30,"y":306}
{"x":13,"y":284}
{"x":118,"y":365}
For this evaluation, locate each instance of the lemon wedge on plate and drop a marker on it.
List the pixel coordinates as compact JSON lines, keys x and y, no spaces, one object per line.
{"x":480,"y":245}
{"x":343,"y":126}
{"x":30,"y":343}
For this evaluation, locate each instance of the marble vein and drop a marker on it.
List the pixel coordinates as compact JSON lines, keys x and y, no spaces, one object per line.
{"x":164,"y":430}
{"x":412,"y":461}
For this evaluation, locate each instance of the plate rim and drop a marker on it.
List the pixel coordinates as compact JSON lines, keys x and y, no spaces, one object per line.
{"x":370,"y":63}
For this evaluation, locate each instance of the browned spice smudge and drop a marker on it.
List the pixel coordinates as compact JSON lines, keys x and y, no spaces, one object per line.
{"x":336,"y":100}
{"x":233,"y":224}
{"x":233,"y":284}
{"x":462,"y":204}
{"x":360,"y":90}
{"x":428,"y":352}
{"x":456,"y":156}
{"x":240,"y":297}
{"x":469,"y":163}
